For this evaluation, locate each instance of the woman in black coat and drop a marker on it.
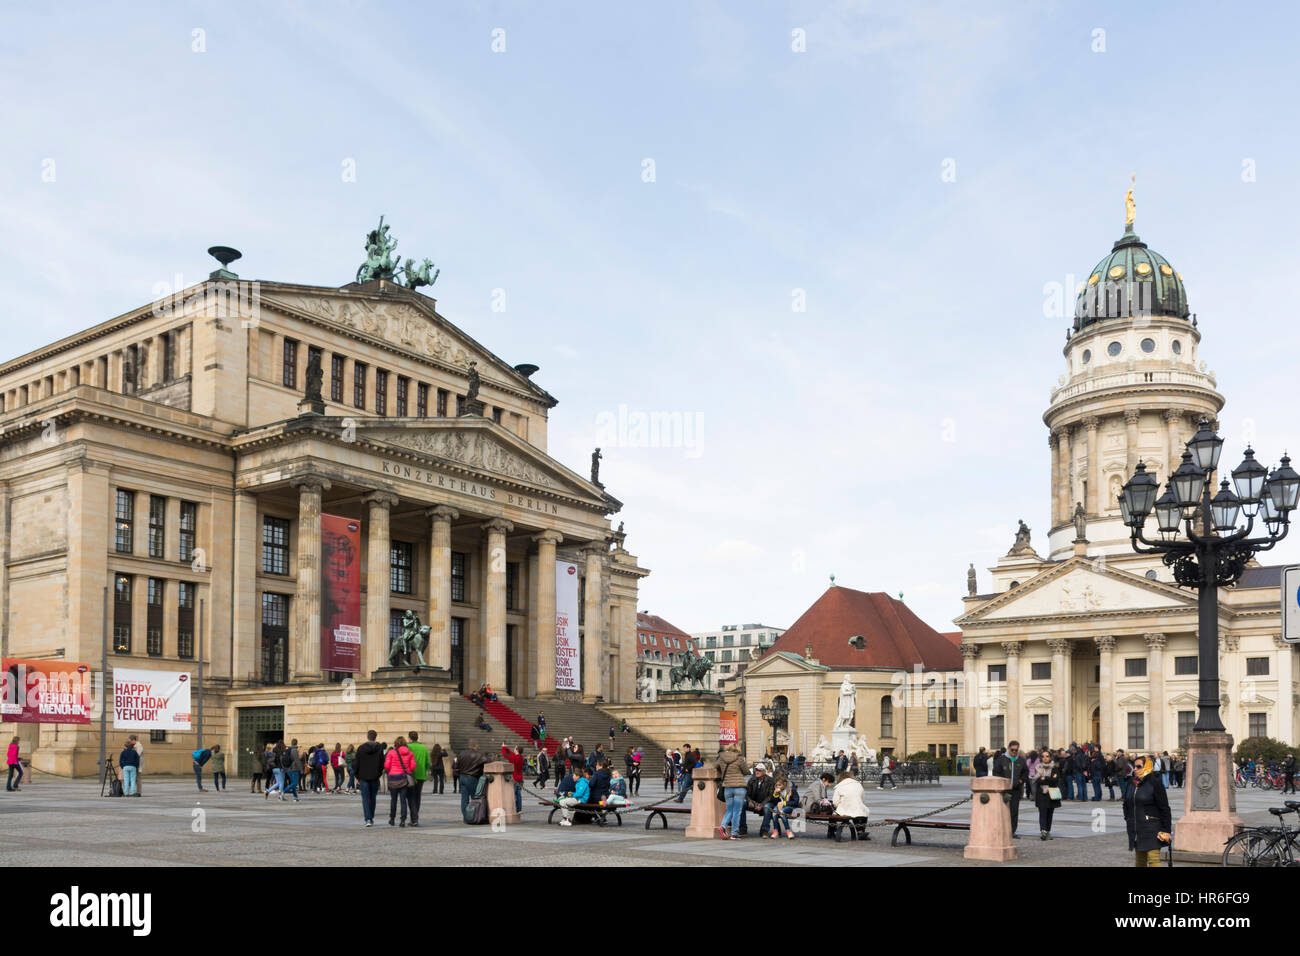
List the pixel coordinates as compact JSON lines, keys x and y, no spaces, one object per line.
{"x":1046,"y":776}
{"x":1146,"y":814}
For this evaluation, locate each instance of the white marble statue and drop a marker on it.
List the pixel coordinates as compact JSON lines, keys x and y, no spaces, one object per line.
{"x":866,"y":756}
{"x":844,"y":720}
{"x":822,"y":752}
{"x":647,"y":689}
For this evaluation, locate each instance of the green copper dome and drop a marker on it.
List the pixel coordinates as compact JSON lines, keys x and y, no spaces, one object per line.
{"x":1132,"y":281}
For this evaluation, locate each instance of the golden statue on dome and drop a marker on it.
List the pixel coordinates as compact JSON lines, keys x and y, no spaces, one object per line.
{"x":1130,"y":208}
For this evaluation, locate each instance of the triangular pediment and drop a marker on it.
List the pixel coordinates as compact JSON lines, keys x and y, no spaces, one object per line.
{"x":1184,"y":699}
{"x":1080,"y":586}
{"x":1038,"y":702}
{"x":776,"y":663}
{"x":403,"y":319}
{"x":481,"y":446}
{"x":1135,"y":700}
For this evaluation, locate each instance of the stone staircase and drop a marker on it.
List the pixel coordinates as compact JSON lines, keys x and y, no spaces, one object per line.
{"x":511,"y":719}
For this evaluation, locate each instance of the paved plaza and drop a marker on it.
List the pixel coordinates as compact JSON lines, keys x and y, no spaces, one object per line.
{"x":66,"y":823}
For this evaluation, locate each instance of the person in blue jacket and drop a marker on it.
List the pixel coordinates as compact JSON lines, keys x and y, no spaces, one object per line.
{"x":129,"y":761}
{"x":201,"y":757}
{"x":581,"y":794}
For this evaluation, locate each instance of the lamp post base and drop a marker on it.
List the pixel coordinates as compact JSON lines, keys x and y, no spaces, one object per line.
{"x":1210,"y":809}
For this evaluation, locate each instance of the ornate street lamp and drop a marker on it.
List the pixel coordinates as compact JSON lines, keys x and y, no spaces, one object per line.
{"x":1212,"y":552}
{"x":775,"y":714}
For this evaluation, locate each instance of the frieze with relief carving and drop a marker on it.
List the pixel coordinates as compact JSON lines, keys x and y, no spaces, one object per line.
{"x":469,"y":448}
{"x":396,"y":323}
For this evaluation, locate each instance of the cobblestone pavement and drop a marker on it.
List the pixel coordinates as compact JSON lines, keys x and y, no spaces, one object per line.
{"x":67,"y":823}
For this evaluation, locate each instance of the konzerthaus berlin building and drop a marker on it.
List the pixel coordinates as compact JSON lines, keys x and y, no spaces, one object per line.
{"x":1092,"y":641}
{"x":167,"y":456}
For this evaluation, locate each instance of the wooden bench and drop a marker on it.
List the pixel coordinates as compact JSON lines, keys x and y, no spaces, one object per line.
{"x":662,"y":814}
{"x":594,"y":810}
{"x":836,"y":820}
{"x":904,"y":827}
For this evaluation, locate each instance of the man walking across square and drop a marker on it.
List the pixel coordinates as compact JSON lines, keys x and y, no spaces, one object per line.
{"x":421,"y":774}
{"x":369,"y":764}
{"x":1011,"y":766}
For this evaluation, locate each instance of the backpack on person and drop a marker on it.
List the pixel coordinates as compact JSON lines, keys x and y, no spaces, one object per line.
{"x":286,"y":760}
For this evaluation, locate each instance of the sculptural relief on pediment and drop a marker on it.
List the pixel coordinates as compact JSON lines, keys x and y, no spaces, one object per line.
{"x":392,"y":321}
{"x":472,"y":449}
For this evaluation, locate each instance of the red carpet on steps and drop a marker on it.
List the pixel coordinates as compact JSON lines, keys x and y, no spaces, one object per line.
{"x":521,"y":726}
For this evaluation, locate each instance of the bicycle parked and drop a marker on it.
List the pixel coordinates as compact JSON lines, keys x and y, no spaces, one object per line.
{"x":1267,"y":845}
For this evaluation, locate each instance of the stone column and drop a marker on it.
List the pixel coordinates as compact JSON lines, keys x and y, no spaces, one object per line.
{"x":1065,"y":489}
{"x":1230,"y":709}
{"x":245,"y":564}
{"x":1285,"y":690}
{"x":305,"y":662}
{"x":593,"y":624}
{"x":1054,"y":443}
{"x":1094,"y":466}
{"x":439,"y":615}
{"x":1131,"y":418}
{"x":1014,"y":704}
{"x":1059,"y":732}
{"x":971,"y":734}
{"x":544,"y":637}
{"x":1106,"y":730}
{"x":1156,"y":681}
{"x":494,"y":602}
{"x":378,"y":580}
{"x":1174,"y":445}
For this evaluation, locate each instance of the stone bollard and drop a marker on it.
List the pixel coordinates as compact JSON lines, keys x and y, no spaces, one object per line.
{"x":706,"y":808}
{"x":501,"y":792}
{"x":990,"y":821}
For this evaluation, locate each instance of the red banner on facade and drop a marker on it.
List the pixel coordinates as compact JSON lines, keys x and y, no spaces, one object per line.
{"x":340,"y":612}
{"x":44,"y":692}
{"x":728,"y":727}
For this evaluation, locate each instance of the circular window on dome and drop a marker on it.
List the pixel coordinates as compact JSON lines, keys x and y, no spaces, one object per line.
{"x":1166,"y":271}
{"x":1148,"y":345}
{"x":1116,"y":272}
{"x":1114,"y":349}
{"x":1142,"y":269}
{"x":1178,"y":347}
{"x":1094,"y":278}
{"x":1087,"y":356}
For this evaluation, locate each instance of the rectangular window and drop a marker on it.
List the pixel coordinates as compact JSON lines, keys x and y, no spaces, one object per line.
{"x":157,"y":525}
{"x":442,"y":403}
{"x":336,"y":378}
{"x":122,"y":614}
{"x":458,"y":651}
{"x":275,"y":638}
{"x":460,"y":405}
{"x":1186,"y":721}
{"x":1136,"y":731}
{"x":185,"y":619}
{"x":1040,"y":730}
{"x":290,"y":376}
{"x":512,"y":585}
{"x":125,"y":537}
{"x":402,"y":558}
{"x":458,"y":575}
{"x":1256,"y":666}
{"x":157,"y":736}
{"x":931,"y":713}
{"x":1258,"y":725}
{"x":275,"y":545}
{"x":710,"y":642}
{"x":394,"y":625}
{"x":153,"y":633}
{"x":726,"y":655}
{"x":711,"y":655}
{"x":886,"y":717}
{"x":1040,"y":670}
{"x":997,"y":731}
{"x":1135,"y":667}
{"x":930,"y":747}
{"x":189,"y":530}
{"x":1186,"y":665}
{"x":496,"y":415}
{"x":381,"y":392}
{"x":359,"y":385}
{"x":997,"y":673}
{"x":421,"y":400}
{"x":403,"y":386}
{"x":169,"y":356}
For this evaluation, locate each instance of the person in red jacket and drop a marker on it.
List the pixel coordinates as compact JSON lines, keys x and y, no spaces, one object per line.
{"x":516,"y":758}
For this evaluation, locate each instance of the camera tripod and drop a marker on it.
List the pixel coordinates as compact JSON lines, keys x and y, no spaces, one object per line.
{"x":110,"y":782}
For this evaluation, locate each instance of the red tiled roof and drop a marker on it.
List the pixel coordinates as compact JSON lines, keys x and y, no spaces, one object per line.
{"x":953,"y":636}
{"x":896,"y":637}
{"x":655,"y":624}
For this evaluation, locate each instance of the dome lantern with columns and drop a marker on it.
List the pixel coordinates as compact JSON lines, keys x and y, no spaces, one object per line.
{"x":1133,"y":390}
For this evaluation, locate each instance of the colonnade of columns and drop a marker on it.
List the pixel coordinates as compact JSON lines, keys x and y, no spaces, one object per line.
{"x":306,"y":663}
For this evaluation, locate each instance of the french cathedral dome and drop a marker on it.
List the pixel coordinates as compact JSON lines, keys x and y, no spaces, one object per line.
{"x":1132,"y":280}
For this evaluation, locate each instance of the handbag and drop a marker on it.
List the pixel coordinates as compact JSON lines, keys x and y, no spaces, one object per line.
{"x":396,"y":781}
{"x":1053,"y":793}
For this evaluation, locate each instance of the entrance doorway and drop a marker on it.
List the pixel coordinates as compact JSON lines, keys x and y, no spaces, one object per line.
{"x":1096,"y":726}
{"x":257,"y":725}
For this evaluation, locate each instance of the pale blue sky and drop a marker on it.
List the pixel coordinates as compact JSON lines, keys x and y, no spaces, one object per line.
{"x":823,"y":432}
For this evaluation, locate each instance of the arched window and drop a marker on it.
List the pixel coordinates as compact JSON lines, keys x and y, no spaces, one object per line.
{"x":886,"y":716}
{"x":782,"y":701}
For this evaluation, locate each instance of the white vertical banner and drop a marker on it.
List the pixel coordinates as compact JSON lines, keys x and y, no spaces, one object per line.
{"x":568,"y":660}
{"x":151,"y":700}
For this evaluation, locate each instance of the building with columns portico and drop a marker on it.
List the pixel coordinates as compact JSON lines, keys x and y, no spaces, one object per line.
{"x":167,"y":456}
{"x":1092,"y":641}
